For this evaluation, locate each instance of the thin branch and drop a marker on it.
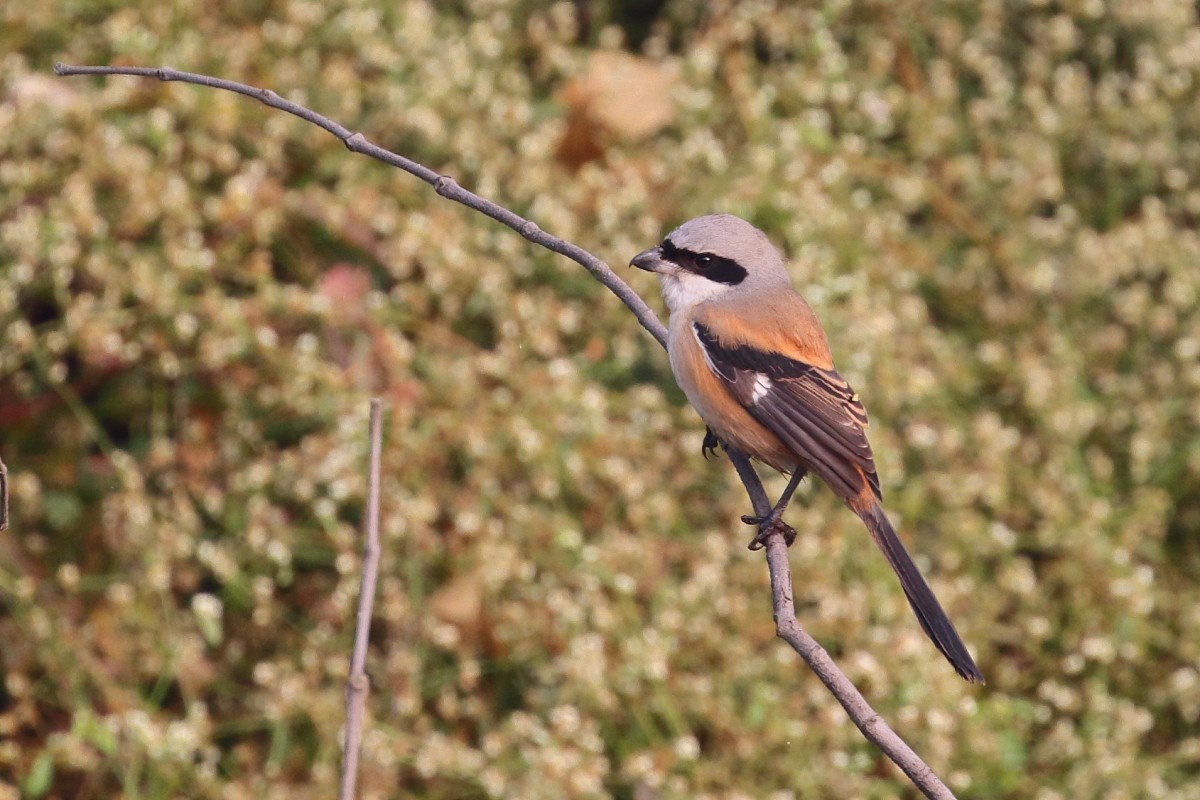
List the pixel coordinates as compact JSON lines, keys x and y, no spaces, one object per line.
{"x":358,"y":685}
{"x":3,"y":496}
{"x":443,"y":184}
{"x":788,"y":628}
{"x":873,"y":727}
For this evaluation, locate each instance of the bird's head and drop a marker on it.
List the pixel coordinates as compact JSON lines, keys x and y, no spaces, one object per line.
{"x":712,"y":256}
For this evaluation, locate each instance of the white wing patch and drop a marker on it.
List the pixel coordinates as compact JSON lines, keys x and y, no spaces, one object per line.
{"x":762,"y":386}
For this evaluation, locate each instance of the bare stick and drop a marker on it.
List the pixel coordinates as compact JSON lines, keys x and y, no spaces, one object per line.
{"x":873,"y":727}
{"x":3,"y":496}
{"x":358,"y":685}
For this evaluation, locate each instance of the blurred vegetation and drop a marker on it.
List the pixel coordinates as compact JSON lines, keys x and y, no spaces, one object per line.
{"x":992,"y":205}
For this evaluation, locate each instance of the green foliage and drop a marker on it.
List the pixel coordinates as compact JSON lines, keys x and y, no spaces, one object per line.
{"x":991,"y":205}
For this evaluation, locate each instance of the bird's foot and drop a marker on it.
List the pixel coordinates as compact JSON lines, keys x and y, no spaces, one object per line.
{"x":710,"y":443}
{"x":766,"y":526}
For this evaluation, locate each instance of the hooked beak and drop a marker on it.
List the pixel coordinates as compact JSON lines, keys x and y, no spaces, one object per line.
{"x":650,"y":260}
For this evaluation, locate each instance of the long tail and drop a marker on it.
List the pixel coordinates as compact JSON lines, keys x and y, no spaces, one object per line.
{"x":929,"y":612}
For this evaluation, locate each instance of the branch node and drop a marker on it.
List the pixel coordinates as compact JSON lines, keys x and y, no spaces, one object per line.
{"x":165,"y":74}
{"x":873,"y":722}
{"x":530,"y":229}
{"x":444,"y":185}
{"x":354,"y":142}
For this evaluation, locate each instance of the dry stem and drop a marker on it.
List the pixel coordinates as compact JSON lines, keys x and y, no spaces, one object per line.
{"x":358,"y":685}
{"x":3,"y":496}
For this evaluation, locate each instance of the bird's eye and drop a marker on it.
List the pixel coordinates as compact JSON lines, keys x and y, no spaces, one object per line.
{"x":704,"y":262}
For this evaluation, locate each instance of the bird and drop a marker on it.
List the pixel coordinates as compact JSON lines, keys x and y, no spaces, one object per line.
{"x":754,"y":362}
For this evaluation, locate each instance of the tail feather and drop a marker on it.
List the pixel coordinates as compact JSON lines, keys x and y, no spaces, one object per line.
{"x":929,"y":612}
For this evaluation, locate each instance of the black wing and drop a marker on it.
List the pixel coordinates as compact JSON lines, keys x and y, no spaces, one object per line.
{"x":812,"y":410}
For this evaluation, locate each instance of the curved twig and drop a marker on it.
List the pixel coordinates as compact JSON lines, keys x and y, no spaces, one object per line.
{"x":873,"y":727}
{"x":443,"y":184}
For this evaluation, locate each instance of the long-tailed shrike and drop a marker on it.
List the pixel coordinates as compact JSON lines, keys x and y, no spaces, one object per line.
{"x":752,"y":359}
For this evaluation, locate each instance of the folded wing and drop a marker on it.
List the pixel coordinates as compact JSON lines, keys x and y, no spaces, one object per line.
{"x":819,"y":417}
{"x":812,"y":410}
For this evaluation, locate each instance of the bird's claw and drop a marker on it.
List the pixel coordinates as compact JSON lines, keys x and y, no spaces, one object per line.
{"x":767,"y":526}
{"x":710,"y":443}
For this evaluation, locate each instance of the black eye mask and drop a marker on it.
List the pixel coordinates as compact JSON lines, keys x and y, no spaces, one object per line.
{"x":715,"y":268}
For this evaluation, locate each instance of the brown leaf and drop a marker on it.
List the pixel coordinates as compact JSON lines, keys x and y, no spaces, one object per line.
{"x":619,"y":95}
{"x":460,"y":603}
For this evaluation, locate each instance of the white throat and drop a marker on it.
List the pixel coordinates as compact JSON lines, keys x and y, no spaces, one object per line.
{"x":683,"y":289}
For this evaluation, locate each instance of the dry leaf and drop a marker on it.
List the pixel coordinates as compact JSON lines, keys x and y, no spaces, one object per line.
{"x":619,"y":95}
